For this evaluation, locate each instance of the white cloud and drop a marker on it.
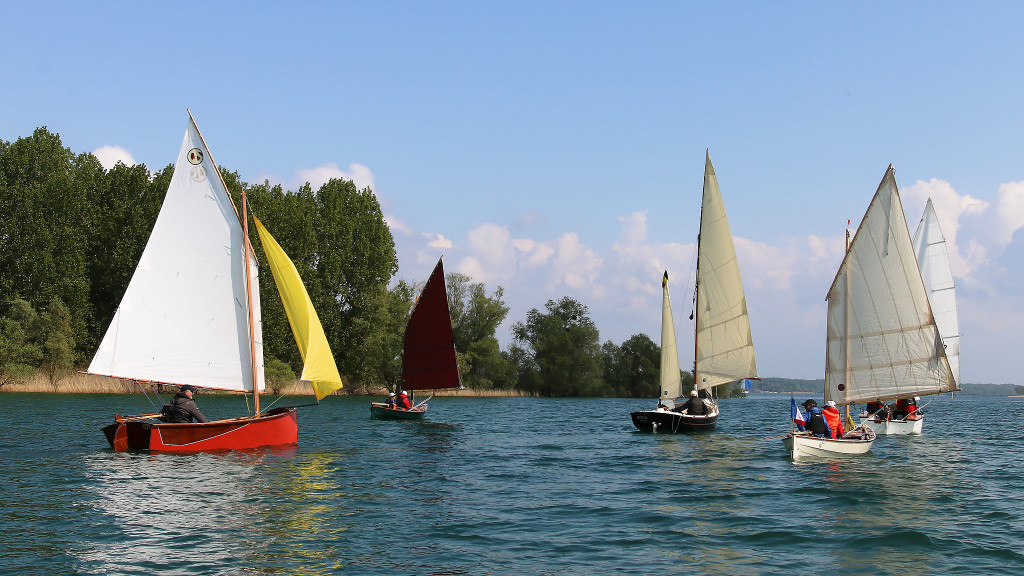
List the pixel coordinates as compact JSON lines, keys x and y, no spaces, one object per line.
{"x":1010,"y":210}
{"x":109,"y":156}
{"x":360,"y":174}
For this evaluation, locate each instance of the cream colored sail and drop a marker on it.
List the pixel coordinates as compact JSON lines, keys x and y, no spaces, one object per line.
{"x":882,"y":340}
{"x":671,"y":383}
{"x":725,"y":347}
{"x":933,"y":259}
{"x":183,"y":318}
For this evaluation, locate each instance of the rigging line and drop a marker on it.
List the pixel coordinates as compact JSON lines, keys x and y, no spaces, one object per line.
{"x":146,"y":394}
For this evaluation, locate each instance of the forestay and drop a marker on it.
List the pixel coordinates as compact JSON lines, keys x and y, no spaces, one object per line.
{"x":184,"y":317}
{"x":318,"y":366}
{"x":725,"y":347}
{"x":882,"y":340}
{"x":933,"y":259}
{"x":671,"y":383}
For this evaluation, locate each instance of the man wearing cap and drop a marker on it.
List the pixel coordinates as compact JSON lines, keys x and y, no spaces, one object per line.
{"x":182,"y":408}
{"x":390,"y":402}
{"x":816,"y":423}
{"x":403,"y":401}
{"x":694,"y":405}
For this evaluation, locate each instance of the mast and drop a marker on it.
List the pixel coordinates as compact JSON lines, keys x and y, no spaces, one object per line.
{"x":248,"y":294}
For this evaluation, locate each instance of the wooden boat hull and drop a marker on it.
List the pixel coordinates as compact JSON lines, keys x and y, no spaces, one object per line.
{"x":276,"y":427}
{"x":802,"y":445}
{"x":661,"y":420}
{"x":895,"y":427}
{"x":381,"y":411}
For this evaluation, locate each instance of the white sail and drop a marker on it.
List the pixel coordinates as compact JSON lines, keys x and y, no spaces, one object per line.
{"x":671,"y":383}
{"x":932,"y":258}
{"x":725,"y":347}
{"x":184,"y":317}
{"x":882,"y":341}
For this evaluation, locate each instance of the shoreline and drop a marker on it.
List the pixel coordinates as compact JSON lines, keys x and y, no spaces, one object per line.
{"x":80,"y":383}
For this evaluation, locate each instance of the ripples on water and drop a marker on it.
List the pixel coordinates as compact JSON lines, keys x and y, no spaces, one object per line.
{"x":510,"y":486}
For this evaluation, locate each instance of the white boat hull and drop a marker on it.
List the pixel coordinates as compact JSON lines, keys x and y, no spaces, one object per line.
{"x":894,"y":427}
{"x":804,"y":445}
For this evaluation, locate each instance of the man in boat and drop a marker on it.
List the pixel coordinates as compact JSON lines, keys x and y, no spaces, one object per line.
{"x":403,"y":401}
{"x":906,"y":409}
{"x":391,"y":400}
{"x":183,"y":408}
{"x":805,"y":414}
{"x":816,"y":423}
{"x":833,"y":418}
{"x":694,"y":405}
{"x":876,"y":409}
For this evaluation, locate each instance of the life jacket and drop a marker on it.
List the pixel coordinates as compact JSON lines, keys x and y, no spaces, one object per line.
{"x":835,"y":421}
{"x":816,"y":423}
{"x":403,"y":402}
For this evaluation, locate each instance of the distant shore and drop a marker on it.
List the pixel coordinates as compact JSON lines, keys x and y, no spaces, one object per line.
{"x":89,"y":384}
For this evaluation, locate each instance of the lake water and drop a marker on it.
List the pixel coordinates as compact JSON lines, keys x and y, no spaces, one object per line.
{"x":518,"y":486}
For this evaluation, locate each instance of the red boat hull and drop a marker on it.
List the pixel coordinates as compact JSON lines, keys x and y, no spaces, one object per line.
{"x":277,"y":427}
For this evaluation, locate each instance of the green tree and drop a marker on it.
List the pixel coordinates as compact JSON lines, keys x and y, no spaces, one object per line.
{"x":45,"y":223}
{"x":475,"y":320}
{"x":565,"y":349}
{"x":19,"y":353}
{"x":58,"y":342}
{"x":382,"y":350}
{"x":632,"y":369}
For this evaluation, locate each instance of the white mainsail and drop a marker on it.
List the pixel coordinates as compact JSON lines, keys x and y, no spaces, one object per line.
{"x":725,"y":347}
{"x":933,"y":259}
{"x":882,"y":340}
{"x":184,"y":317}
{"x":671,"y":383}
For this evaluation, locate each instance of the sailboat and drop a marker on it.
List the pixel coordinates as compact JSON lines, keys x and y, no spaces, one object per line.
{"x":882,"y":342}
{"x":191,"y":316}
{"x":933,"y":260}
{"x":723,"y":345}
{"x":429,"y":361}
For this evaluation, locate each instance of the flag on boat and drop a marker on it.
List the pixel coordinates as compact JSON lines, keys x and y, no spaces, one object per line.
{"x":798,"y":416}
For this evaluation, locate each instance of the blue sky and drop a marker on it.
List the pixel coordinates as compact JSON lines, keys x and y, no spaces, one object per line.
{"x":556,"y":148}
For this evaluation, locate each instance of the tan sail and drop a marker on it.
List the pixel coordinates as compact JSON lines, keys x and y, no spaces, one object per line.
{"x":882,"y":339}
{"x":724,"y":345}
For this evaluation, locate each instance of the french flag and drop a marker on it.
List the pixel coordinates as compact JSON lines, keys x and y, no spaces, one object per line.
{"x":798,"y":417}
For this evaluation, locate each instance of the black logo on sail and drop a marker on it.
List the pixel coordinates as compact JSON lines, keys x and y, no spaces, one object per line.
{"x":195,"y":156}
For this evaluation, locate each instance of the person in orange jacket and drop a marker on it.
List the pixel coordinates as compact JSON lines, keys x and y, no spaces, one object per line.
{"x":834,"y":419}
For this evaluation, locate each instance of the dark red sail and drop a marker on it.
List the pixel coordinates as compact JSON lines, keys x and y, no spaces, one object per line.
{"x":429,"y":362}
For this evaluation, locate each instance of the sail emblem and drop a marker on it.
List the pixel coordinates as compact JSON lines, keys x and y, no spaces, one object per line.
{"x":195,"y":156}
{"x":199,"y":174}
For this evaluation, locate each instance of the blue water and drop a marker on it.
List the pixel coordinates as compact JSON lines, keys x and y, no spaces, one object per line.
{"x":518,"y":486}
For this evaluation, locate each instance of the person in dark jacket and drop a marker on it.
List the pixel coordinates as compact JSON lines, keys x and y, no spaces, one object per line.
{"x":816,"y":423}
{"x":694,"y":405}
{"x":183,"y":408}
{"x":805,"y":415}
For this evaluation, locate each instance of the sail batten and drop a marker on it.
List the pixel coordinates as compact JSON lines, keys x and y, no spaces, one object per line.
{"x":882,"y":341}
{"x":724,"y":344}
{"x":184,"y":317}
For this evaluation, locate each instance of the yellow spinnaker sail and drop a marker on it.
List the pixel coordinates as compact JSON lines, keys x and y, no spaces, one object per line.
{"x":318,"y":362}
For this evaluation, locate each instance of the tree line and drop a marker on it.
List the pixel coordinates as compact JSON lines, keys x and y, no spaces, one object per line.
{"x":72,"y":232}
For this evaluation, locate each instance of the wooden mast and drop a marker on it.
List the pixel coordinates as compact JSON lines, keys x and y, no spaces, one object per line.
{"x":248,"y":294}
